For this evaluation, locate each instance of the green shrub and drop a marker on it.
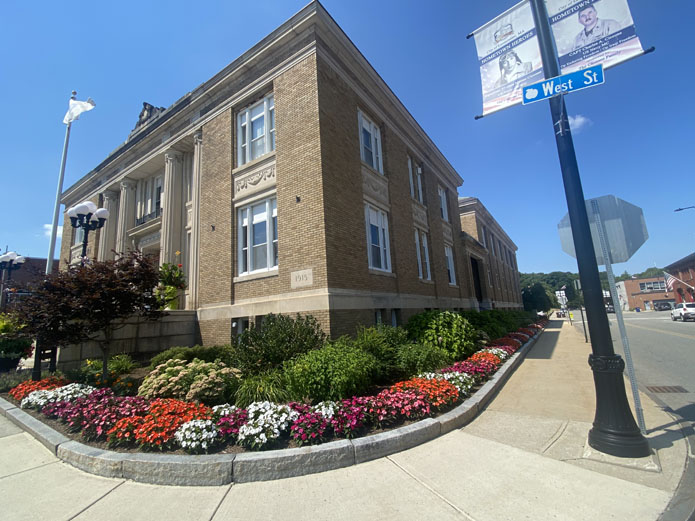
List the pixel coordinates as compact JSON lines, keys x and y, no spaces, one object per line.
{"x":12,"y":344}
{"x":279,"y":339}
{"x":486,"y":322}
{"x":336,"y":371}
{"x":226,"y":354}
{"x":122,"y":364}
{"x":268,"y":386}
{"x":446,"y":330}
{"x":383,"y":342}
{"x":413,"y":359}
{"x":211,"y":383}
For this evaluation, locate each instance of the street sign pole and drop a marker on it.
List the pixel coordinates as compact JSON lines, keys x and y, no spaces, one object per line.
{"x":614,"y":429}
{"x":605,"y":250}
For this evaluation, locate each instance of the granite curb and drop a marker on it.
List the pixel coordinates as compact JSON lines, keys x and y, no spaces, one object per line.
{"x":222,"y":469}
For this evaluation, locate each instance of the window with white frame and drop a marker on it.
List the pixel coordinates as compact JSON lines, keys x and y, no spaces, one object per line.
{"x":256,"y":130}
{"x":370,"y":142}
{"x":78,"y":236}
{"x":443,"y":208}
{"x":258,"y":237}
{"x":377,"y":238}
{"x":423,"y":255}
{"x":148,"y":199}
{"x":449,"y":254}
{"x":415,"y":176}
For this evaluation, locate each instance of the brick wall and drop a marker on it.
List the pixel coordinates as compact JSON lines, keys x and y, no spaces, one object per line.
{"x":216,"y":247}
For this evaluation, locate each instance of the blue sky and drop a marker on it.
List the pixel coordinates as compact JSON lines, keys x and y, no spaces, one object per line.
{"x":633,"y":139}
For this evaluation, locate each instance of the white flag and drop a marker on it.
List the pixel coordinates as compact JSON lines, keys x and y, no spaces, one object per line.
{"x":77,"y":108}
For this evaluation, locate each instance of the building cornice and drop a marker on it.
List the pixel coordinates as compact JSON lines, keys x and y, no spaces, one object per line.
{"x":188,"y":114}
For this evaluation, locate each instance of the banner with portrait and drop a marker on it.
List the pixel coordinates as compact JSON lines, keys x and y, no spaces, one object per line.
{"x":592,"y":32}
{"x":509,"y":57}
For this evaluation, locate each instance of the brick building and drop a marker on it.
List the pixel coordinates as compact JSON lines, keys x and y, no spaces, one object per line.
{"x":684,"y":270}
{"x":644,"y":293}
{"x":492,"y":256}
{"x":295,"y":181}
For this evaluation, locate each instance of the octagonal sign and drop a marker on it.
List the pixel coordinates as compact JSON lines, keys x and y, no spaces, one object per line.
{"x":624,"y":225}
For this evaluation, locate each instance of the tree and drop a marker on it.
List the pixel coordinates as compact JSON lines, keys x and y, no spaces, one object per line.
{"x":536,"y":298}
{"x":90,"y":302}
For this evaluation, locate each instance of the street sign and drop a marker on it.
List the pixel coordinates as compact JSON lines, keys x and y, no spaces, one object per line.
{"x":625,"y":229}
{"x":574,"y":81}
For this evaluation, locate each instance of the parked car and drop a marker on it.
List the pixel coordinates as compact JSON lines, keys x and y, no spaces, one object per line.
{"x":683,"y":311}
{"x":662,"y":306}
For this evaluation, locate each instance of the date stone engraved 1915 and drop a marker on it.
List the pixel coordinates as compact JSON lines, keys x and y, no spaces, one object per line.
{"x":300,"y":279}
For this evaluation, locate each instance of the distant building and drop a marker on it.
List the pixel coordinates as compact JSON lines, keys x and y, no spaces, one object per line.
{"x":32,"y":271}
{"x":683,"y":269}
{"x":644,"y":293}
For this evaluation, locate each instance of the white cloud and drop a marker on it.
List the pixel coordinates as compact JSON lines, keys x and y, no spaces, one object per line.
{"x":579,"y":123}
{"x":47,"y":231}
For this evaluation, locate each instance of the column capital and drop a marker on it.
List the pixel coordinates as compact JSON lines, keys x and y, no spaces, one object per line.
{"x":173,"y":155}
{"x":110,"y":194}
{"x":198,"y":137}
{"x":128,"y":184}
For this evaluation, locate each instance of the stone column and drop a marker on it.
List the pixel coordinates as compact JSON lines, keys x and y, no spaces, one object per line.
{"x":193,"y":256}
{"x":172,"y":214}
{"x":107,"y":241}
{"x":126,"y":215}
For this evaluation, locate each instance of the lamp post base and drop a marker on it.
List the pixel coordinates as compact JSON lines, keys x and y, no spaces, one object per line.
{"x":615,"y":431}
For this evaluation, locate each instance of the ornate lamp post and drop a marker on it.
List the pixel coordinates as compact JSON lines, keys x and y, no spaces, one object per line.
{"x":87,"y":217}
{"x":8,"y":262}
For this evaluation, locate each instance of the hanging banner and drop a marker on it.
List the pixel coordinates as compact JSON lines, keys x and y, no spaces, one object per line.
{"x":592,"y":32}
{"x":509,"y":57}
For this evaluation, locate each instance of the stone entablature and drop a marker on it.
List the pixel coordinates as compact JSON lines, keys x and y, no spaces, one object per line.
{"x":254,"y":178}
{"x":375,"y":187}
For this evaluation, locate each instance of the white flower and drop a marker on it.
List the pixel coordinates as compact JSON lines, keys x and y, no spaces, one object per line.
{"x":67,"y":393}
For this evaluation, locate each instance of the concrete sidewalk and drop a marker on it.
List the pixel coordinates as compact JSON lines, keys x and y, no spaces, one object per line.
{"x":524,"y":457}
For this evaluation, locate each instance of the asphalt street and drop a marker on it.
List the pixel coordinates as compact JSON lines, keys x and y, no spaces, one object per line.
{"x":663,"y":354}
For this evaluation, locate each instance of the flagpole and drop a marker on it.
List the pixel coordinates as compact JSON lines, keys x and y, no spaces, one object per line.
{"x":56,"y":208}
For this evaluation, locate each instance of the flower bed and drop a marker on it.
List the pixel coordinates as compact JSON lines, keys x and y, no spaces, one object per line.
{"x":171,"y":424}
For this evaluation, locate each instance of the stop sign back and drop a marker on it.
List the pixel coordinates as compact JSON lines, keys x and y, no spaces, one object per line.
{"x":624,"y":225}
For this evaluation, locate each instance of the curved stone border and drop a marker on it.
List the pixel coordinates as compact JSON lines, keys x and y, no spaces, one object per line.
{"x":222,"y":469}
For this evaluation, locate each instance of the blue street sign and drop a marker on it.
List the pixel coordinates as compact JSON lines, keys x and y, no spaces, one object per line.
{"x":571,"y":82}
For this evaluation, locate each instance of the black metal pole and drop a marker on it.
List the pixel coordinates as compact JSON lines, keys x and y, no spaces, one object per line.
{"x":84,"y":242}
{"x":614,"y":430}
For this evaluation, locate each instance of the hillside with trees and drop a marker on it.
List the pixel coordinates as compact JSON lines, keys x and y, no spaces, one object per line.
{"x":538,"y":289}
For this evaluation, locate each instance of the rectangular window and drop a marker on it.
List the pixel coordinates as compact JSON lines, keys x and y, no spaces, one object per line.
{"x":483,"y":233}
{"x":395,"y":317}
{"x":148,"y":199}
{"x":410,"y":177}
{"x":257,"y":242}
{"x":444,"y":211}
{"x":79,"y":236}
{"x":422,"y":254}
{"x":377,"y":238}
{"x":418,"y":176}
{"x":370,"y":142}
{"x":256,"y":130}
{"x":449,"y":254}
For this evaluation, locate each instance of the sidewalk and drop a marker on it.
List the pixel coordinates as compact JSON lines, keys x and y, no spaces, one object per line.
{"x":524,"y":457}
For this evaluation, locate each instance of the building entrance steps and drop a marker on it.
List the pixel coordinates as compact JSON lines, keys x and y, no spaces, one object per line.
{"x":523,"y":457}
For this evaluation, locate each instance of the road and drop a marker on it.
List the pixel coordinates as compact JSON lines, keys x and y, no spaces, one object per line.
{"x":663,"y":353}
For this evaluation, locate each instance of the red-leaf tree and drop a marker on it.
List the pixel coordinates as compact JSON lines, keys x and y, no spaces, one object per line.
{"x":90,"y":302}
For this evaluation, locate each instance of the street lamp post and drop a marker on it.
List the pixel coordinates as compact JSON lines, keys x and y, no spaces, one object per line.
{"x":87,"y":217}
{"x":684,"y":208}
{"x":9,"y":262}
